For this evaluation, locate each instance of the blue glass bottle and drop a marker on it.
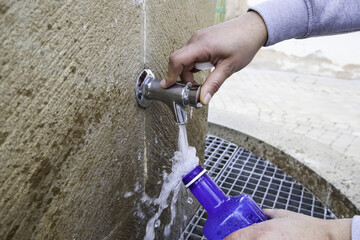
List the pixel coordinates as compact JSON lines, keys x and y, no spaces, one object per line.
{"x":225,"y":214}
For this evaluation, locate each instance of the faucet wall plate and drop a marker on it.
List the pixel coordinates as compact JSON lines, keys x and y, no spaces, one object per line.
{"x":140,"y":81}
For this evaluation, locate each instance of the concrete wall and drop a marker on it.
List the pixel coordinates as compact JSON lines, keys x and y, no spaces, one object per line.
{"x":76,"y":153}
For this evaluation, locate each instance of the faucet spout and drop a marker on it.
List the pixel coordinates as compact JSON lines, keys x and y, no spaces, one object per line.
{"x":179,"y":113}
{"x":177,"y":97}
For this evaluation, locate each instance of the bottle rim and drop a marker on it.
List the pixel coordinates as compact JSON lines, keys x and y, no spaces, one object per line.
{"x":193,"y":176}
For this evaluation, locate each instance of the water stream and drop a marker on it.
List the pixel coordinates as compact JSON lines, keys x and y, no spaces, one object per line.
{"x":183,"y":162}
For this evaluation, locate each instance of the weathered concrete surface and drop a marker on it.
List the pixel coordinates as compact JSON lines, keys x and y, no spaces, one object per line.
{"x":76,"y":153}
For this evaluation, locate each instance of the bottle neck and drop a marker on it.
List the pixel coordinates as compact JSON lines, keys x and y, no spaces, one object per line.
{"x":207,"y":192}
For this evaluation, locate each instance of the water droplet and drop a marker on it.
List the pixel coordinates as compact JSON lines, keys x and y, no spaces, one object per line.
{"x":190,"y":200}
{"x":157,"y":223}
{"x":128,"y":194}
{"x":137,"y":186}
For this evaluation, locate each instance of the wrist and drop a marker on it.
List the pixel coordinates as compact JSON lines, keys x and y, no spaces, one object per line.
{"x":339,"y":229}
{"x":259,"y":26}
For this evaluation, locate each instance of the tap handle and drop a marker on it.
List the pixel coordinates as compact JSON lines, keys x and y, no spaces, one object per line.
{"x":193,"y":95}
{"x":203,"y":65}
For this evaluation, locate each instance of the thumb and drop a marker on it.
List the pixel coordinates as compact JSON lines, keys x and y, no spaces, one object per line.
{"x":214,"y":81}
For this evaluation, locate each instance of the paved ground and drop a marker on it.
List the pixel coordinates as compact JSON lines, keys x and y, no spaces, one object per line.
{"x":326,"y":110}
{"x":315,"y":120}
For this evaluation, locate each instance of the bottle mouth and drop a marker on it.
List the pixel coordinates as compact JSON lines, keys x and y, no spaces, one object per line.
{"x":193,"y":176}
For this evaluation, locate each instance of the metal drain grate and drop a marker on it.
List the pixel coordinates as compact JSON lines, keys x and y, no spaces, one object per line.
{"x":236,"y":170}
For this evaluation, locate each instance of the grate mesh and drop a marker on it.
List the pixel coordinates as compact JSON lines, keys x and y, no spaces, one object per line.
{"x":236,"y":170}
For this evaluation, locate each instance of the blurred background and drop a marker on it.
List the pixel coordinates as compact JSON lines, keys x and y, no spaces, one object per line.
{"x":331,"y":56}
{"x":308,"y":88}
{"x":300,"y":96}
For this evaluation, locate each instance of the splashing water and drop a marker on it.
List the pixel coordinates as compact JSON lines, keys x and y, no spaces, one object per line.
{"x":183,"y":142}
{"x":157,"y":223}
{"x":183,"y":162}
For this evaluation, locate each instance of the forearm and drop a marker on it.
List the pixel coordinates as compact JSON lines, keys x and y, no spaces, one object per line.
{"x":286,"y":19}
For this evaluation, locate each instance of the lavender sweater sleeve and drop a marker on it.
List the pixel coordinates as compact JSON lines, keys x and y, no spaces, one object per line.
{"x":355,"y":228}
{"x":286,"y":19}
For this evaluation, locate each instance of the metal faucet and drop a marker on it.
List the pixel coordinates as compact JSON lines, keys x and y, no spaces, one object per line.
{"x":177,"y":97}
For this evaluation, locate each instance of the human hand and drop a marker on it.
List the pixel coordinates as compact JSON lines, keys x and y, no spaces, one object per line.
{"x":288,"y":225}
{"x":229,"y":46}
